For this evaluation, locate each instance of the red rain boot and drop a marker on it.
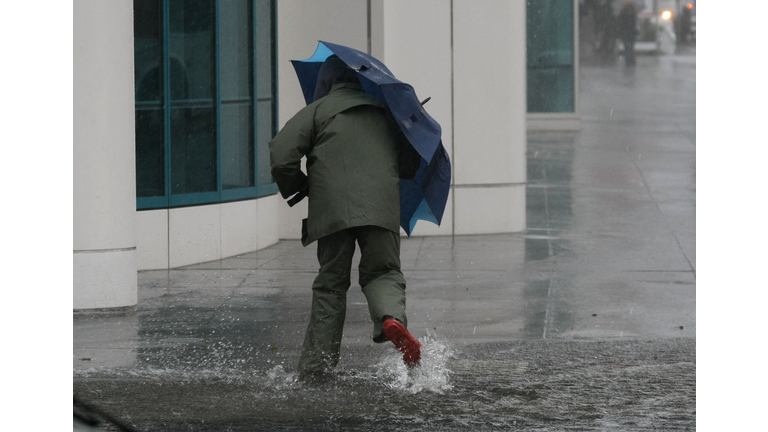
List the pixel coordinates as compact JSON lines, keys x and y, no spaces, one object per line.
{"x":403,"y":340}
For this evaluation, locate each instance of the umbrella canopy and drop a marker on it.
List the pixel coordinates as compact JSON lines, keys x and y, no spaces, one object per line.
{"x":424,"y":197}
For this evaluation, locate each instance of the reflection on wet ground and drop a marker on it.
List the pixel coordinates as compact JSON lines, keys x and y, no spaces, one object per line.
{"x":584,"y":322}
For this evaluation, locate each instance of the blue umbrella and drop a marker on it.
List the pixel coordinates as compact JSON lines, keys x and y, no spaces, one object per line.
{"x":423,"y":197}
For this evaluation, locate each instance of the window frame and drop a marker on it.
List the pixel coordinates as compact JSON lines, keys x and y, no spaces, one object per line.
{"x":565,"y":72}
{"x":170,"y":200}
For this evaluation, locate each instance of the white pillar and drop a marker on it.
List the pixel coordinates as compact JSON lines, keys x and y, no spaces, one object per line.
{"x":489,"y":111}
{"x":104,"y":198}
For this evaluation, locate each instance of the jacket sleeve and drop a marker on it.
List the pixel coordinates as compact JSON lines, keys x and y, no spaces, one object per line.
{"x":286,"y":149}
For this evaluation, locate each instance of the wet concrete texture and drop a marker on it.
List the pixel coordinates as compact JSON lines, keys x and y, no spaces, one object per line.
{"x":587,"y":321}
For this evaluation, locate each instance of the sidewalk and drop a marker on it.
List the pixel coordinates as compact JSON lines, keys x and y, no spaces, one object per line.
{"x":586,"y":321}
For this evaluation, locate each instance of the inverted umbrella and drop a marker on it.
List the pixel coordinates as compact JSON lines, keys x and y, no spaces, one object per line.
{"x":423,"y":197}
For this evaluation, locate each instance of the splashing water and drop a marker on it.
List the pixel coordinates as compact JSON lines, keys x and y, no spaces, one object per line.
{"x":432,"y":375}
{"x":281,"y":380}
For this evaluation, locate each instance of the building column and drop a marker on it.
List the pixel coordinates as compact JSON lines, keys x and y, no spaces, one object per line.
{"x":104,"y":197}
{"x":489,"y":112}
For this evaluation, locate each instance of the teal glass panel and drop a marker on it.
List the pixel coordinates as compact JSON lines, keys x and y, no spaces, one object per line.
{"x":236,"y":87}
{"x":237,"y":158}
{"x":264,"y":42}
{"x":192,"y":55}
{"x":148,"y":85}
{"x":265,"y":87}
{"x":264,"y":131}
{"x":193,"y":150}
{"x":148,"y":50}
{"x":150,"y":153}
{"x":550,"y":56}
{"x":192,"y":89}
{"x":235,"y":49}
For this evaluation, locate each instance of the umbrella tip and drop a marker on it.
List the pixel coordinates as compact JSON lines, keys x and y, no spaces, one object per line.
{"x":426,"y":100}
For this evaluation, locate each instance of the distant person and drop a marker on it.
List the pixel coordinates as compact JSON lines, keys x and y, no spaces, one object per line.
{"x":684,"y":26}
{"x":606,"y":27}
{"x":627,"y":26}
{"x":356,"y":155}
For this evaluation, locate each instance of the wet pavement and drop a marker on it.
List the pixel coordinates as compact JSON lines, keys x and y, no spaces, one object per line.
{"x":587,"y":321}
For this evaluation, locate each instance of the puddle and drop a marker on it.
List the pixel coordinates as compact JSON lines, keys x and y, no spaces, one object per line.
{"x":537,"y":385}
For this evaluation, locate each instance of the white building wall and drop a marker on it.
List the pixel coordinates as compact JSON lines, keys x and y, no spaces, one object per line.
{"x":104,"y":191}
{"x":169,"y":238}
{"x":489,"y":113}
{"x":268,"y":220}
{"x":152,"y":239}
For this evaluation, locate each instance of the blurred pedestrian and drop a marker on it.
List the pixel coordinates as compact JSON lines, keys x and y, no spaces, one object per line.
{"x":605,"y":22}
{"x":684,"y":25}
{"x":356,"y":155}
{"x":627,"y":26}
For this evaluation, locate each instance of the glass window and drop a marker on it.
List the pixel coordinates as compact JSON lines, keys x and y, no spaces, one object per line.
{"x":148,"y":82}
{"x":266,"y":118}
{"x":204,"y":118}
{"x":236,"y":112}
{"x":193,"y":87}
{"x":550,"y":56}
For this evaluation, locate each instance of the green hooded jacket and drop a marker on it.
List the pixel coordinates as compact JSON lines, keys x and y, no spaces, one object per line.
{"x":356,"y":155}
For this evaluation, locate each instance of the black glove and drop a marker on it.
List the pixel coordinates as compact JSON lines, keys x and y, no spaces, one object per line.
{"x":298,"y":197}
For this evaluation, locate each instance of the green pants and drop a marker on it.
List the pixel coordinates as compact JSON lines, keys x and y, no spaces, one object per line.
{"x":381,"y":280}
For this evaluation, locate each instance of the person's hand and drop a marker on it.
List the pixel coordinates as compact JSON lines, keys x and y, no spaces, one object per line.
{"x":298,"y":197}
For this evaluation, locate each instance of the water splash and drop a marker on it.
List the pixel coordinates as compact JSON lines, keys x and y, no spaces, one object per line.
{"x":279,"y":379}
{"x":432,"y":375}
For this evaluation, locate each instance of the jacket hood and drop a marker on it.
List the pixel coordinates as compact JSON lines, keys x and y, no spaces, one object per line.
{"x":333,"y":71}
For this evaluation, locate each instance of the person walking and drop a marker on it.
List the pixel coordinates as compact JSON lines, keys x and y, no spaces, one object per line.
{"x":684,"y":25}
{"x":355,"y":155}
{"x":627,"y":23}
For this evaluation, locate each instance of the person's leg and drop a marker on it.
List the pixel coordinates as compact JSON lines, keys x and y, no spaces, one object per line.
{"x":629,"y":50}
{"x":380,"y":277}
{"x":322,"y":341}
